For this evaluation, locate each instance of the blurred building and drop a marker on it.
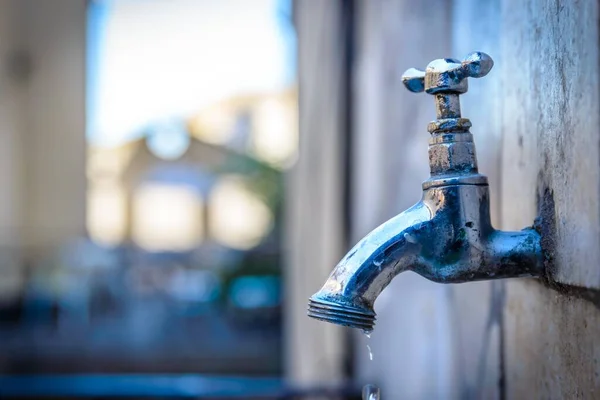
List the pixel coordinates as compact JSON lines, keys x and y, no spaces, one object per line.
{"x":158,"y":252}
{"x":197,"y":181}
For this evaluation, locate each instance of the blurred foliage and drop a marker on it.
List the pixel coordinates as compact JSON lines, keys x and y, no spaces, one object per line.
{"x":262,"y":179}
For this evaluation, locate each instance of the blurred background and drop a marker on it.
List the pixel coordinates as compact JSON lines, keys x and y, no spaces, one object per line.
{"x":144,"y":148}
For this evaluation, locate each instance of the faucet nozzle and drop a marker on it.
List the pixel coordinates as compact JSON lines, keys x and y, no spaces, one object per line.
{"x":341,"y":313}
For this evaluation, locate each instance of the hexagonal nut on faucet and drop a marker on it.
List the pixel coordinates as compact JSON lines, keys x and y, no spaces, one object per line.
{"x":448,"y":75}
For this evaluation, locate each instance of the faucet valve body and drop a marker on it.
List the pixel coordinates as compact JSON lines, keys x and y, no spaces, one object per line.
{"x":451,"y":147}
{"x":447,"y":237}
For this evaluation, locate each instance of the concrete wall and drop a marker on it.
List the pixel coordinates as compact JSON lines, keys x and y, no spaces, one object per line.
{"x":54,"y":121}
{"x":316,"y":353}
{"x":551,"y":167}
{"x":42,"y":124}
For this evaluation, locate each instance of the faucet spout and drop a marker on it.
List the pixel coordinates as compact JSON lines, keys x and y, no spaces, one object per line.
{"x":447,"y":237}
{"x":348,"y":296}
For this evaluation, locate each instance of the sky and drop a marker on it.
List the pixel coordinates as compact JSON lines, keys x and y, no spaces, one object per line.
{"x":155,"y":60}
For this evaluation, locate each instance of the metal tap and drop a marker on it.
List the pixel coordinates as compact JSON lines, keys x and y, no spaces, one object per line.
{"x":447,"y":237}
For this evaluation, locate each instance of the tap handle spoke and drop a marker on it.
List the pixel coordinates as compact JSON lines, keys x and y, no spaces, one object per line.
{"x":414,"y":80}
{"x":477,"y":64}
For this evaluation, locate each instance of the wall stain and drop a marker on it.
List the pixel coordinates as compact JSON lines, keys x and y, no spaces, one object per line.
{"x":545,"y":224}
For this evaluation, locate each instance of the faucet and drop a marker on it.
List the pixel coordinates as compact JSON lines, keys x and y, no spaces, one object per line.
{"x":446,"y":237}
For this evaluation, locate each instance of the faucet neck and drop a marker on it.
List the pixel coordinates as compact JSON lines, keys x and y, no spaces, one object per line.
{"x":452,"y":156}
{"x":449,"y":120}
{"x":447,"y":105}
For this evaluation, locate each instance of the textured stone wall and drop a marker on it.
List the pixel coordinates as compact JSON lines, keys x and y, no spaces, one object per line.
{"x":550,"y":166}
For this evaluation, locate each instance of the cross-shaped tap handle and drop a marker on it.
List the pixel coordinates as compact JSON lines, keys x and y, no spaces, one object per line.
{"x":447,"y":75}
{"x":446,"y":78}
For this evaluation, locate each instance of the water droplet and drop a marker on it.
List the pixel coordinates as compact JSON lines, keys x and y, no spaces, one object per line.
{"x":377,"y":263}
{"x":368,"y":335}
{"x":370,"y":353}
{"x":370,"y":392}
